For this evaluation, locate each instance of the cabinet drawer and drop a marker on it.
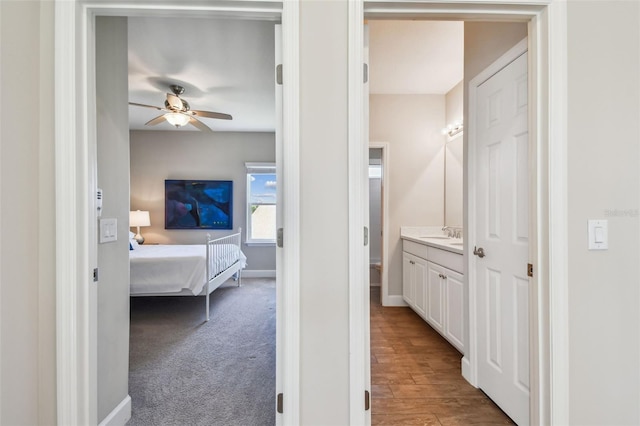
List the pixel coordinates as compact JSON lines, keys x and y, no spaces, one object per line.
{"x":415,"y":249}
{"x":446,"y":258}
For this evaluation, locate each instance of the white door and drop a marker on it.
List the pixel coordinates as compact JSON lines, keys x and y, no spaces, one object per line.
{"x":502,"y":195}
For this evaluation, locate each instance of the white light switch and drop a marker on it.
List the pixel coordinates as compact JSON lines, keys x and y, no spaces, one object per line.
{"x":108,"y":230}
{"x":598,"y":235}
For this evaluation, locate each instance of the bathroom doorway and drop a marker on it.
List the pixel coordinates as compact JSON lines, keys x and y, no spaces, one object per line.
{"x":378,"y":219}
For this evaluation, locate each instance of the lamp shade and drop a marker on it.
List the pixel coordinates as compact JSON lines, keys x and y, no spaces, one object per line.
{"x":139,"y":218}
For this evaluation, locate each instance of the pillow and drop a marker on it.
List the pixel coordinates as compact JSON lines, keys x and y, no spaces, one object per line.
{"x":133,"y":244}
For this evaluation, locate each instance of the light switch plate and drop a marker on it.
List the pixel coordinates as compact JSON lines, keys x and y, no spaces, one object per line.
{"x":598,"y":235}
{"x":108,"y":230}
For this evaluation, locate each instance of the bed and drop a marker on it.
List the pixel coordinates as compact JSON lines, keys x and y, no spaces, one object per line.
{"x":185,"y":270}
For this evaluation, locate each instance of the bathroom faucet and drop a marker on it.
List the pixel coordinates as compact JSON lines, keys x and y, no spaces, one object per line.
{"x":448,"y":229}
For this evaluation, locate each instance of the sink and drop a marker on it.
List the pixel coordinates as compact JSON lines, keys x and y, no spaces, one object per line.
{"x":456,"y":244}
{"x":437,"y":237}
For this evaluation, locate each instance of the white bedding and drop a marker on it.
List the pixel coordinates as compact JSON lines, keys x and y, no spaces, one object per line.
{"x":170,"y":268}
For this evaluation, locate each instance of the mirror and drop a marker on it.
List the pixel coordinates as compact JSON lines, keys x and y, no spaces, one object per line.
{"x":453,"y":181}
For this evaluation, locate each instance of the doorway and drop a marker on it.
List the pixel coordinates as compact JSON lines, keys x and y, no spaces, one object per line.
{"x":545,"y":21}
{"x":76,"y":171}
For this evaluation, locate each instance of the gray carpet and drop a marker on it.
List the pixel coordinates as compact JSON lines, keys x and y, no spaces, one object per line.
{"x":184,"y":371}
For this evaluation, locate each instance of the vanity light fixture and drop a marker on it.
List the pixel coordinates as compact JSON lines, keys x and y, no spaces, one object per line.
{"x":453,"y":129}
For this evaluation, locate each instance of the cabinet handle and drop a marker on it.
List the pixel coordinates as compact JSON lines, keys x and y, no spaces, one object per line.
{"x":444,"y":277}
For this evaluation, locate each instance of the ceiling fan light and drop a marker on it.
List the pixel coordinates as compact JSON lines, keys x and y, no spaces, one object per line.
{"x":176,"y":119}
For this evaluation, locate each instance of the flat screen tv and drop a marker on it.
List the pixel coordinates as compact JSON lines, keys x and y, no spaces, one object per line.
{"x":198,"y":204}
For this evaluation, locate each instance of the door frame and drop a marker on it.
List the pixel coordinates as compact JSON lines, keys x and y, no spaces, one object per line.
{"x":384,"y":243}
{"x":549,"y":399}
{"x":470,"y":363}
{"x":75,"y":172}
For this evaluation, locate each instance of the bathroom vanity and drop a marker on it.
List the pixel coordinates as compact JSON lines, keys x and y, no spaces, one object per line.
{"x":432,"y":280}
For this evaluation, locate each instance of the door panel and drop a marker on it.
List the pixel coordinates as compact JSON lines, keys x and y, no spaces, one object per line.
{"x":502,"y":195}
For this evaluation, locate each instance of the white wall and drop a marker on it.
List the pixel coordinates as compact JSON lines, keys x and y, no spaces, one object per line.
{"x":113,"y":179}
{"x":324,"y":264}
{"x":604,"y":183}
{"x":158,"y":155}
{"x":412,"y":125}
{"x":27,"y":219}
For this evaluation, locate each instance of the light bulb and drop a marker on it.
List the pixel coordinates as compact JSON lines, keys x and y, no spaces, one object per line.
{"x":176,"y":119}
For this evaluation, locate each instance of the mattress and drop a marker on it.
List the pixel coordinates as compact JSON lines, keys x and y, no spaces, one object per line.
{"x":173,"y":268}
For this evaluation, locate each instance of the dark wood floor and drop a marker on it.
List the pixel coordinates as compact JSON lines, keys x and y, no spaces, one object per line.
{"x":415,"y":375}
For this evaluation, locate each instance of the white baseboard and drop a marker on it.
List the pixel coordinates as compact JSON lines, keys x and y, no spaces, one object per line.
{"x":394,"y":301}
{"x":258,"y":273}
{"x":120,"y":415}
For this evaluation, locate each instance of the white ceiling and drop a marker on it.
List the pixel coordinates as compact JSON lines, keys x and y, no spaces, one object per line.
{"x":224,"y":65}
{"x":415,"y":57}
{"x":228,"y":66}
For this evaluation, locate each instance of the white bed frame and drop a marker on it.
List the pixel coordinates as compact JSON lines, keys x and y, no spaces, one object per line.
{"x":217,"y":249}
{"x":222,"y":263}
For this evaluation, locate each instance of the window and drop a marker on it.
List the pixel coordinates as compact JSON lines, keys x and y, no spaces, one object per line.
{"x":261,"y":203}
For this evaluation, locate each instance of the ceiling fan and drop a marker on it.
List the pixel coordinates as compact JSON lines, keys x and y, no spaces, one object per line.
{"x":178,"y":112}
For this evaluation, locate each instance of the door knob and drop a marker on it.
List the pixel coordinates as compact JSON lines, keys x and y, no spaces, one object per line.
{"x":478,"y":252}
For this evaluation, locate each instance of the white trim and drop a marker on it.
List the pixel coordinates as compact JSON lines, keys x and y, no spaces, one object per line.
{"x":120,"y":415}
{"x":76,"y":298}
{"x":359,"y":292}
{"x":384,"y":276}
{"x":291,"y":213}
{"x":547,"y":22}
{"x":258,"y":273}
{"x":471,"y":354}
{"x":553,"y":263}
{"x":395,"y":300}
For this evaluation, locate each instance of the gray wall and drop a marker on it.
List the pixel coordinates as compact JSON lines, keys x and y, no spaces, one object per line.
{"x":604,"y":183}
{"x":412,"y":125}
{"x":158,"y":155}
{"x":604,"y":300}
{"x":113,"y":179}
{"x":27,"y":219}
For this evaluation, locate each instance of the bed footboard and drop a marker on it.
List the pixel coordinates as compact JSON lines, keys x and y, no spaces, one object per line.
{"x":224,"y":259}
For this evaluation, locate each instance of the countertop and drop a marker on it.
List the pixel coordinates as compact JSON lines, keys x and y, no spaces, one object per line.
{"x":431,"y":236}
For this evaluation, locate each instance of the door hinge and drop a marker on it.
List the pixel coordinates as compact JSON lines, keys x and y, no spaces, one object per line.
{"x":280,"y":237}
{"x":530,"y":269}
{"x":365,"y":72}
{"x":95,"y":275}
{"x":367,"y":401}
{"x":366,"y":236}
{"x":280,"y":406}
{"x":279,"y":74}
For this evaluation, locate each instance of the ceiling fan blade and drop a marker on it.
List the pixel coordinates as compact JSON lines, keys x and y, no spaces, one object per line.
{"x":159,"y":119}
{"x":199,"y":124}
{"x":174,"y":101}
{"x":147,"y":106}
{"x":211,"y":114}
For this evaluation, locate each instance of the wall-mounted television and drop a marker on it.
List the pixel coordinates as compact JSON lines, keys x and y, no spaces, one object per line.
{"x":198,"y":204}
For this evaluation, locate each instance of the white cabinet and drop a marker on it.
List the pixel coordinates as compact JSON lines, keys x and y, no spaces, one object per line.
{"x":434,"y":290}
{"x":454,"y":329}
{"x":413,"y":282}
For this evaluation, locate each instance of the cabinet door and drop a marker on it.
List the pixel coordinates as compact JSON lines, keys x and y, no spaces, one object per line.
{"x":454,"y":325}
{"x":435,"y":297}
{"x":420,"y":292}
{"x":408,"y":278}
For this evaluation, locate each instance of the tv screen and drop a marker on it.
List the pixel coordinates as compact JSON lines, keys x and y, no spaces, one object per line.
{"x":198,"y":204}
